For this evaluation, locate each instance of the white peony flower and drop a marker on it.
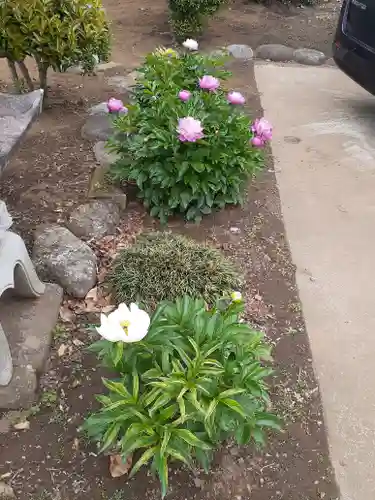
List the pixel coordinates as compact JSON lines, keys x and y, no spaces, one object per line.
{"x":190,"y":44}
{"x":236,"y":296}
{"x":124,"y":325}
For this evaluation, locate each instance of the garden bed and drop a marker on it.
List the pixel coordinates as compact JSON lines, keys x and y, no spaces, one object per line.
{"x":51,"y":460}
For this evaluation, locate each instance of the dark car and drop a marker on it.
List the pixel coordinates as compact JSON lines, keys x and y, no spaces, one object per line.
{"x":354,"y":44}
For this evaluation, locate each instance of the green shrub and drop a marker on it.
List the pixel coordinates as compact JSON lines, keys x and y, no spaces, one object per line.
{"x":56,"y":33}
{"x":187,"y":17}
{"x":174,"y":174}
{"x":163,"y":266}
{"x":195,"y":380}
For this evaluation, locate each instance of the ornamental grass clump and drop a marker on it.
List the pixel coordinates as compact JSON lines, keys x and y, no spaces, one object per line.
{"x":162,"y":266}
{"x":186,"y":142}
{"x":188,"y":379}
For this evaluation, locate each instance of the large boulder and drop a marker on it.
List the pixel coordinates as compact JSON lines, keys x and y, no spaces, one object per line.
{"x":98,"y":127}
{"x":59,"y":256}
{"x":94,"y":219}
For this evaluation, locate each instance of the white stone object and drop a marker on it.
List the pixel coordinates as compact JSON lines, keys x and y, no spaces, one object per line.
{"x":17,"y":272}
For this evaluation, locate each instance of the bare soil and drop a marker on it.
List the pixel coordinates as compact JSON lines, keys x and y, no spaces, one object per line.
{"x":50,"y":173}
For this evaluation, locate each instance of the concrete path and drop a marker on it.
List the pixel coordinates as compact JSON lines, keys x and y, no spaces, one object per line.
{"x":324,"y":150}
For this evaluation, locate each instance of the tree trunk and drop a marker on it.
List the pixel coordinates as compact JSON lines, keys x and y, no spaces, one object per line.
{"x":13,"y":71}
{"x":26,"y":75}
{"x":42,"y":70}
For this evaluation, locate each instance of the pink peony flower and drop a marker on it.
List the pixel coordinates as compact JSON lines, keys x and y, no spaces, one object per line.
{"x":115,"y":106}
{"x":189,"y":129}
{"x":262,"y":128}
{"x":236,"y":98}
{"x":208,"y":82}
{"x":257,"y":142}
{"x":184,"y":95}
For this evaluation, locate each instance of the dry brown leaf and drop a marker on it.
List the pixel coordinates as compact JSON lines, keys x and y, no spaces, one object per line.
{"x":78,"y":343}
{"x":75,"y":445}
{"x":117,"y":467}
{"x":22,"y":426}
{"x":108,"y":309}
{"x":66,"y":314}
{"x":102,"y":274}
{"x":92,"y":294}
{"x":62,"y":350}
{"x":90,"y":306}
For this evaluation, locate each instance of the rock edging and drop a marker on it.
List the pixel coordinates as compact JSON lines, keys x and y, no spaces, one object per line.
{"x":278,"y":53}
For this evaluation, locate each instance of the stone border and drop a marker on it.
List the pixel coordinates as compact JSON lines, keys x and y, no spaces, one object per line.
{"x":278,"y":53}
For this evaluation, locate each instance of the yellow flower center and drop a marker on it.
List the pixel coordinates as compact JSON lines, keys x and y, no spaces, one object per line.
{"x":125,"y":326}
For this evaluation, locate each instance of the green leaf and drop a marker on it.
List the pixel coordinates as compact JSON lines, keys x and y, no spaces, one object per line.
{"x":143,"y":460}
{"x":116,"y":387}
{"x":135,"y":385}
{"x":162,"y":470}
{"x":268,"y":420}
{"x":119,"y":350}
{"x":165,"y":441}
{"x":233,"y":405}
{"x":110,"y":436}
{"x":243,"y":434}
{"x":178,"y":455}
{"x":191,"y":439}
{"x":128,"y":445}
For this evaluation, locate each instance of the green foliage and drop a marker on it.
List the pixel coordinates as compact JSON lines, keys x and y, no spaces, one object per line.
{"x":56,"y":33}
{"x":195,"y":380}
{"x":187,"y":17}
{"x":190,"y":178}
{"x":164,"y":266}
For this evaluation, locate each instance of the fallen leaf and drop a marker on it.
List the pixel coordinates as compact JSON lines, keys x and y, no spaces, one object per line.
{"x":75,"y":444}
{"x":92,"y":294}
{"x":117,"y":467}
{"x":108,"y":309}
{"x":62,"y":350}
{"x":66,"y":314}
{"x":22,"y":426}
{"x":78,"y":342}
{"x":7,"y":475}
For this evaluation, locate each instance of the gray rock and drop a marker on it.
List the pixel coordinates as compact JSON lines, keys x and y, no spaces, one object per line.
{"x":98,"y":127}
{"x":105,"y":66}
{"x":20,"y":392}
{"x":75,"y":70}
{"x":16,"y":114}
{"x":29,"y":324}
{"x":94,"y":219}
{"x":103,"y":156}
{"x":330,"y":62}
{"x":275,"y":52}
{"x":99,"y":109}
{"x":123,"y":83}
{"x":309,"y":57}
{"x":59,"y":256}
{"x":241,"y":52}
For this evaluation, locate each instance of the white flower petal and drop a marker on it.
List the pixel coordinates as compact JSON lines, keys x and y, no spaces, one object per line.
{"x":190,"y":44}
{"x":112,"y":332}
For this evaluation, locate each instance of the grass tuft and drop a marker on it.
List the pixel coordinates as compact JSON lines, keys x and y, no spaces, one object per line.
{"x":164,"y":266}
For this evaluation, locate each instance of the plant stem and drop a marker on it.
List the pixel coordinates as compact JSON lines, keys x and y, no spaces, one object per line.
{"x":26,"y":75}
{"x":42,"y":70}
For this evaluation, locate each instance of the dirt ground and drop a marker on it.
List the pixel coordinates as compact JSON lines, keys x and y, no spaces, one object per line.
{"x":49,"y":174}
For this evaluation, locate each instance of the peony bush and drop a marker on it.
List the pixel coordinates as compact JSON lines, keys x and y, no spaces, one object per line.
{"x":188,"y":378}
{"x":186,"y":141}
